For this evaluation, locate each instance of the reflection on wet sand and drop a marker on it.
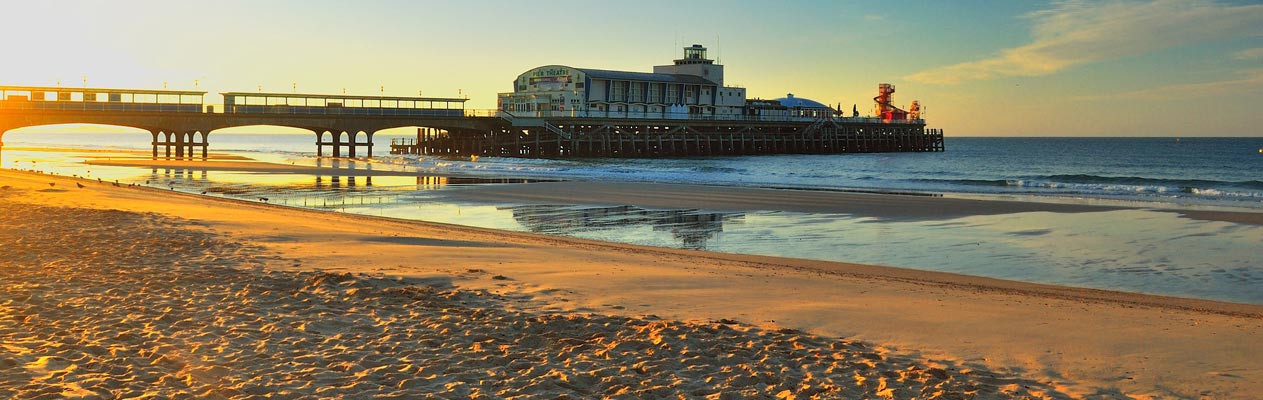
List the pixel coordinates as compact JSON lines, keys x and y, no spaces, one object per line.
{"x":336,"y":181}
{"x":691,"y":227}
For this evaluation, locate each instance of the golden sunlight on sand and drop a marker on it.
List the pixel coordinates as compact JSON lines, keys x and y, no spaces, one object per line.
{"x":133,"y":292}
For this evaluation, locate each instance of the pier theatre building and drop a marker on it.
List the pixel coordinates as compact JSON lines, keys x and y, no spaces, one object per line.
{"x":692,"y":86}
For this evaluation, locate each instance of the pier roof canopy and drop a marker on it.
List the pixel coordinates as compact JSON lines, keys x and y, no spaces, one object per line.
{"x":798,"y":102}
{"x":67,"y":89}
{"x":644,"y":76}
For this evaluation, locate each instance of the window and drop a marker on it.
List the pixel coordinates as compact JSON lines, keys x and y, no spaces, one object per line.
{"x":636,"y":95}
{"x":618,"y":91}
{"x":654,"y":96}
{"x":673,"y":94}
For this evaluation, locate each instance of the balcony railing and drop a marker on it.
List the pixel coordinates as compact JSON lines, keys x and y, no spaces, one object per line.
{"x":697,"y":117}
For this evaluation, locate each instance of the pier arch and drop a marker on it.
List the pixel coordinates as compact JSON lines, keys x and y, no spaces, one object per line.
{"x":343,"y":139}
{"x":429,"y":139}
{"x":129,"y":135}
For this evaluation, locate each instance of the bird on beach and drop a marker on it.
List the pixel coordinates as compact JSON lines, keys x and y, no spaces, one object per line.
{"x":263,"y":199}
{"x":80,"y":185}
{"x":52,"y":184}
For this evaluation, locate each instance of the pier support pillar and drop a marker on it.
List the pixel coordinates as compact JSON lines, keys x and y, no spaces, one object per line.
{"x":337,"y":144}
{"x":205,"y":144}
{"x":352,"y":136}
{"x":166,"y":143}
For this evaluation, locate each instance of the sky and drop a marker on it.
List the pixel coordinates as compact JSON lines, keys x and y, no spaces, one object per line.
{"x":979,"y":68}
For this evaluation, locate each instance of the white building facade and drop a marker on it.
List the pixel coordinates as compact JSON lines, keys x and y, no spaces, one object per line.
{"x":692,"y":87}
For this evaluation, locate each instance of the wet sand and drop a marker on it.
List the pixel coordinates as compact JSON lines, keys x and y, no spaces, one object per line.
{"x":120,"y":290}
{"x":244,"y":166}
{"x":896,"y":206}
{"x":864,"y":204}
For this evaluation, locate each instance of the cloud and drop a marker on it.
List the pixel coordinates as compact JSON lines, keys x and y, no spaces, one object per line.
{"x":1249,"y":81}
{"x":874,"y":18}
{"x":1080,"y":32}
{"x":1249,"y":54}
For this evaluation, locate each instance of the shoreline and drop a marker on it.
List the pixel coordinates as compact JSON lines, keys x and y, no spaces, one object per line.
{"x":886,"y":204}
{"x":1005,"y":325}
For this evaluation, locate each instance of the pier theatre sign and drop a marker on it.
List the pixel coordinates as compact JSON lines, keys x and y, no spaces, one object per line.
{"x":549,"y":78}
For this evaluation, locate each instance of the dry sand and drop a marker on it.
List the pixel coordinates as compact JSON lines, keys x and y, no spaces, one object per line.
{"x":114,"y":292}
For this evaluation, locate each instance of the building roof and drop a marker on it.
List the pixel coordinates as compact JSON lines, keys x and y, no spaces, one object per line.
{"x":69,"y":89}
{"x":798,"y":102}
{"x":645,"y":76}
{"x":342,"y":97}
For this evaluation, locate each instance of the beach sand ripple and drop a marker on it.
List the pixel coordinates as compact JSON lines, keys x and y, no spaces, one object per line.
{"x":113,"y":304}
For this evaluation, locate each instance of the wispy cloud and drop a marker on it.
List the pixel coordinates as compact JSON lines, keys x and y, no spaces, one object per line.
{"x":1249,"y":54}
{"x":1248,"y":81}
{"x":1080,"y":32}
{"x":874,"y":18}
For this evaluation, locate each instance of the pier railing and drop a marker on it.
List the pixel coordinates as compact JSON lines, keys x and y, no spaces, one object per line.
{"x":528,"y":115}
{"x":98,"y":106}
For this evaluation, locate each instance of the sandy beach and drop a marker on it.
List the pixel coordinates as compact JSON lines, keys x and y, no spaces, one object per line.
{"x":127,"y":292}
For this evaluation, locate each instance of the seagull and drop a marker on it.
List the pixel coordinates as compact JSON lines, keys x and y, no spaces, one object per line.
{"x":263,"y":199}
{"x":80,"y":185}
{"x":52,"y":184}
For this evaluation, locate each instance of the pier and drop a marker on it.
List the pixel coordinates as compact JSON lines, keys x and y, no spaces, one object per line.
{"x":181,"y":125}
{"x":603,"y":137}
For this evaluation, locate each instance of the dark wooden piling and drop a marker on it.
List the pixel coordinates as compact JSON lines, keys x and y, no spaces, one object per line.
{"x":637,"y":139}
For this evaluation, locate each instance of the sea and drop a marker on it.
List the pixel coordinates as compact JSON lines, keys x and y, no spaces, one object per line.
{"x":1137,"y":249}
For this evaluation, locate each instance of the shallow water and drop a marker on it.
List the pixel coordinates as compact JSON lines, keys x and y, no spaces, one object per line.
{"x":1136,"y":250}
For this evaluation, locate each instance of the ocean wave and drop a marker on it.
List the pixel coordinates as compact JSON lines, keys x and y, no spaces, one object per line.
{"x":1141,"y":181}
{"x":1185,"y":185}
{"x":1098,"y":186}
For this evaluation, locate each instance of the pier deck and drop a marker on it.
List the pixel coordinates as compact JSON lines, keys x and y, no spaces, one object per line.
{"x":579,"y":137}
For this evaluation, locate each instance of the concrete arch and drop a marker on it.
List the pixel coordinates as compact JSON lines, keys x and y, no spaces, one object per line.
{"x":344,"y":143}
{"x":248,"y":128}
{"x":21,"y":127}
